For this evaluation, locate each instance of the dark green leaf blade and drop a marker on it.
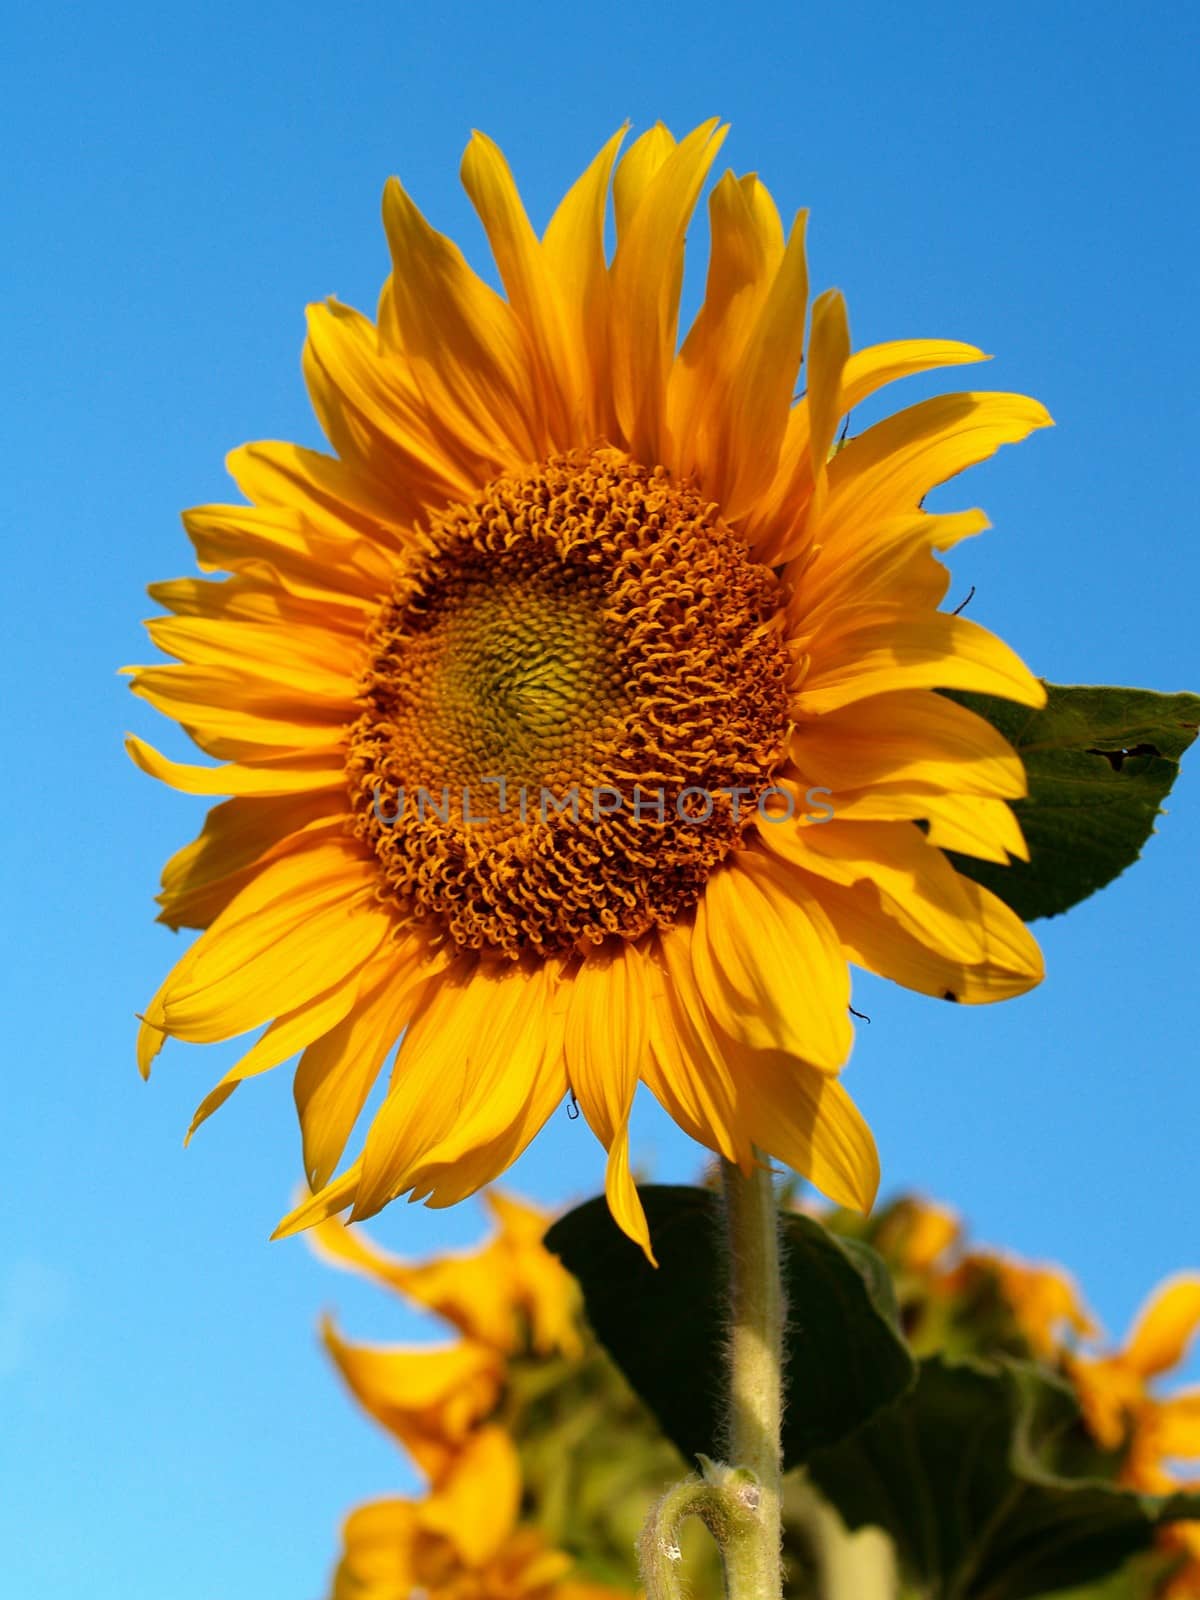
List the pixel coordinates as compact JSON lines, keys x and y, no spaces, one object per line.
{"x":1100,"y":762}
{"x":1142,"y":1578}
{"x":664,"y":1326}
{"x":965,"y":1474}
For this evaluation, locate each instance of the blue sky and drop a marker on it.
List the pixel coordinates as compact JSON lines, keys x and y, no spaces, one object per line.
{"x":178,"y":182}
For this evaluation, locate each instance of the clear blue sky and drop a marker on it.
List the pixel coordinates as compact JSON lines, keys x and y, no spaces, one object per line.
{"x":177,"y":183}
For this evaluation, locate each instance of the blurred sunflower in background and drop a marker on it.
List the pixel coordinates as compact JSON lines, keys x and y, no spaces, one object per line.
{"x":495,"y":1424}
{"x":578,"y":714}
{"x":1159,"y":1434}
{"x":968,"y":1303}
{"x":538,"y":1458}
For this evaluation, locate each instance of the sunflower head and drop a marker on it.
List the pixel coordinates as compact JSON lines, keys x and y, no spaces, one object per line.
{"x":522,"y":695}
{"x":584,"y":649}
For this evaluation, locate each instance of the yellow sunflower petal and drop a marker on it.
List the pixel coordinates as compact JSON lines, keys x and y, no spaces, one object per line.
{"x":482,"y":1147}
{"x":635,"y":171}
{"x":541,"y":1287}
{"x":332,"y":501}
{"x":879,"y":364}
{"x":908,"y":737}
{"x":769,"y":965}
{"x":574,"y":250}
{"x":528,"y":280}
{"x":337,"y":1196}
{"x":974,"y":825}
{"x":828,"y":352}
{"x":273,"y":542}
{"x":890,"y":468}
{"x":370,"y":404}
{"x":777,"y":525}
{"x":928,"y":1232}
{"x":1166,"y":1327}
{"x":881,"y":649}
{"x":480,"y":1070}
{"x":746,"y":251}
{"x":647,"y":274}
{"x":758,"y":400}
{"x":238,"y":837}
{"x":508,"y":1291}
{"x":306,"y":922}
{"x":915,"y":883}
{"x":1108,"y":1393}
{"x":338,"y":1069}
{"x":890,"y":563}
{"x":235,"y":717}
{"x":872,"y":936}
{"x":604,"y":1043}
{"x":353,"y":1250}
{"x":378,"y":1554}
{"x":264,"y":778}
{"x":1177,"y":1426}
{"x":538,"y":1569}
{"x":806,"y":1119}
{"x":430,"y":1398}
{"x":462,"y":341}
{"x":205,"y":877}
{"x":467,"y":1291}
{"x":1044,"y":1300}
{"x":742,"y":1098}
{"x":270,"y":690}
{"x":257,"y":595}
{"x":286,"y":1035}
{"x":319,"y":661}
{"x":686,"y":1069}
{"x":476,"y":1504}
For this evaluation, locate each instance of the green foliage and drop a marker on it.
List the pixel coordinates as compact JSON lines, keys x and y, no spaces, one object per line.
{"x":970,"y":1456}
{"x":1100,"y":763}
{"x":592,"y":1460}
{"x":1139,"y":1579}
{"x":663,"y":1326}
{"x":966,"y":1475}
{"x":976,"y":1319}
{"x":978,"y":1467}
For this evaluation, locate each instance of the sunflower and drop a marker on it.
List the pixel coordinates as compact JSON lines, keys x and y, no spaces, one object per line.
{"x":462,"y":1542}
{"x":1040,"y":1304}
{"x":473,"y":1535}
{"x":1159,"y":1435}
{"x":578,"y":714}
{"x":1116,"y":1390}
{"x":504,"y":1294}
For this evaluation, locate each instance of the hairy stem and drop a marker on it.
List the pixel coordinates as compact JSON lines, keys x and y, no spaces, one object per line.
{"x":756,"y":1315}
{"x":659,"y":1555}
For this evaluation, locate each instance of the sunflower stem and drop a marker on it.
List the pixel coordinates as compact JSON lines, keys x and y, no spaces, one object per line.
{"x":659,"y":1554}
{"x":755,"y":1402}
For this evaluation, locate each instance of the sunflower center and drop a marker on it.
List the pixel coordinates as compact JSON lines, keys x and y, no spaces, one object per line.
{"x":577,"y":695}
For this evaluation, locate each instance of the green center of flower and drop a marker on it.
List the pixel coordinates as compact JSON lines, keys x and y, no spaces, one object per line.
{"x":577,"y":692}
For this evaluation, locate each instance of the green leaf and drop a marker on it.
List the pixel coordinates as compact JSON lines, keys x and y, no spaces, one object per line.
{"x":1140,"y":1579}
{"x":664,"y":1326}
{"x":966,"y":1475}
{"x":1100,"y":763}
{"x":592,"y":1461}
